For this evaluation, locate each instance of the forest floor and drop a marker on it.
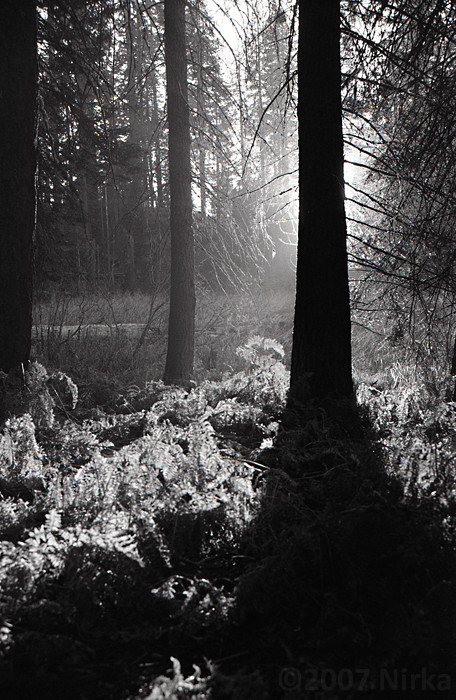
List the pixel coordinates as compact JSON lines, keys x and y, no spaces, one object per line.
{"x":161,"y":543}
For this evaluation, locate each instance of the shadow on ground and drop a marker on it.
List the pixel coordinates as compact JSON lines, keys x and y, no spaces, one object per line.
{"x":352,"y":587}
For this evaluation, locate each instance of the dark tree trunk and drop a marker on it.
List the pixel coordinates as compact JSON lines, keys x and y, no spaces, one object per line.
{"x":321,"y":355}
{"x":179,"y":359}
{"x":453,"y":369}
{"x":17,"y":178}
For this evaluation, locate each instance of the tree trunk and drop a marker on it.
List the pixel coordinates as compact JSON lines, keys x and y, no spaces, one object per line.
{"x":321,"y":355}
{"x":179,"y":359}
{"x":18,"y":83}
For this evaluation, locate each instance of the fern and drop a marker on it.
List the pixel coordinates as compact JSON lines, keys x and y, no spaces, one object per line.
{"x":259,"y":351}
{"x":21,"y":458}
{"x":120,"y":493}
{"x":418,"y":432}
{"x":178,"y":687}
{"x":46,"y":550}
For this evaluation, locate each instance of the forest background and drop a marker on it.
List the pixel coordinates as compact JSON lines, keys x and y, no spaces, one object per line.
{"x":103,"y":195}
{"x":142,"y":521}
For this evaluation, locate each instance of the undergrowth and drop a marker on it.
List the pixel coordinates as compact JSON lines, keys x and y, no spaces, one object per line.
{"x":107,"y":520}
{"x":173,"y":543}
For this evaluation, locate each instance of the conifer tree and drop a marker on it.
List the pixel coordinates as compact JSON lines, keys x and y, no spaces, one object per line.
{"x":321,"y":353}
{"x":18,"y":86}
{"x":181,"y":326}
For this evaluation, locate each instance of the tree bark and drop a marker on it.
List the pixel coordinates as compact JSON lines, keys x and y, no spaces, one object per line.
{"x":18,"y":86}
{"x":321,"y":354}
{"x":180,"y":353}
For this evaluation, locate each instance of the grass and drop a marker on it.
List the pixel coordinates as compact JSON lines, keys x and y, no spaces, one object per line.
{"x":58,"y":308}
{"x":102,"y":366}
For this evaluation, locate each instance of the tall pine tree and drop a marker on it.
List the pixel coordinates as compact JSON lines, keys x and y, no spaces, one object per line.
{"x":321,"y":354}
{"x":181,"y":327}
{"x":18,"y":86}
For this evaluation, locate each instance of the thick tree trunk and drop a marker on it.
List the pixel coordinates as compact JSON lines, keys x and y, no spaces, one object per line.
{"x":179,"y":359}
{"x":17,"y":178}
{"x":321,"y":355}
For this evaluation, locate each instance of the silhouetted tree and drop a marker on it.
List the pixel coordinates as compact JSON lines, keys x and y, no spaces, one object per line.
{"x":18,"y":85}
{"x":321,"y":355}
